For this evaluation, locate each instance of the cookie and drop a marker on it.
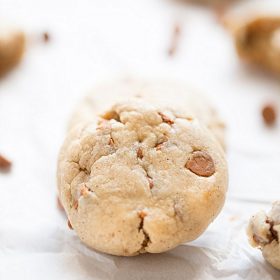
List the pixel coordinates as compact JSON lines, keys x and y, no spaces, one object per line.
{"x":12,"y":43}
{"x":167,"y":94}
{"x":140,"y":177}
{"x":264,"y":231}
{"x":257,"y":41}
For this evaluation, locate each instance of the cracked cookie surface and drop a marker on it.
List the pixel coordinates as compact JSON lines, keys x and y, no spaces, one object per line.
{"x":125,"y":184}
{"x":166,"y":94}
{"x":264,"y":231}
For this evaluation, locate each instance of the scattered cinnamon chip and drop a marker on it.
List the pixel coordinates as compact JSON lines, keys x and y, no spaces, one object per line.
{"x":166,"y":119}
{"x":46,"y":37}
{"x":269,"y":114}
{"x":69,"y":225}
{"x":174,"y":39}
{"x":5,"y":164}
{"x":201,"y":164}
{"x":140,"y":153}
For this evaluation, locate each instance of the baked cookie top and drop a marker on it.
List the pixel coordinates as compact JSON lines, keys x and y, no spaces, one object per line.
{"x":141,"y":178}
{"x":163,"y":93}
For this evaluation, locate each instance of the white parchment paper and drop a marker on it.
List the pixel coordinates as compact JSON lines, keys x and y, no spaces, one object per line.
{"x":99,"y":40}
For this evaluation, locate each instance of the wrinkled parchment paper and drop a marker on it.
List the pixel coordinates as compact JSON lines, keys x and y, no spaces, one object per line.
{"x":100,"y":40}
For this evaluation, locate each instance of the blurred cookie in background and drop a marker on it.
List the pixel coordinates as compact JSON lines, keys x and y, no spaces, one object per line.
{"x":263,"y":233}
{"x":255,"y":26}
{"x":12,"y":46}
{"x":257,"y":41}
{"x":210,"y":2}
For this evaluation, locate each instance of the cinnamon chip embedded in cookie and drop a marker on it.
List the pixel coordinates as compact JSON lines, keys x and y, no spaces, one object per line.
{"x":201,"y":164}
{"x":139,"y":197}
{"x":165,"y":118}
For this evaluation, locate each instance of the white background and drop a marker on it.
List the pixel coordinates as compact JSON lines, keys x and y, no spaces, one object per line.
{"x":93,"y":41}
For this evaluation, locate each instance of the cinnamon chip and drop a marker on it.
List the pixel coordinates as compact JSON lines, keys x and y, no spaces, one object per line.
{"x":140,"y":153}
{"x":269,"y":114}
{"x":5,"y":164}
{"x":111,"y":115}
{"x":159,"y":146}
{"x":166,"y":119}
{"x":201,"y":164}
{"x":142,"y":214}
{"x":111,"y":142}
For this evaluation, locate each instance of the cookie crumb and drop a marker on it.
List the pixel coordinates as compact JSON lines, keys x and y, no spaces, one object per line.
{"x":5,"y":164}
{"x":269,"y":114}
{"x":140,"y":153}
{"x":69,"y":225}
{"x":46,"y":37}
{"x":174,"y":39}
{"x":201,"y":164}
{"x":166,"y":119}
